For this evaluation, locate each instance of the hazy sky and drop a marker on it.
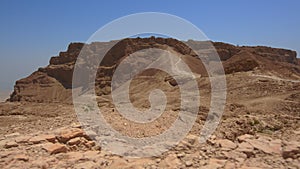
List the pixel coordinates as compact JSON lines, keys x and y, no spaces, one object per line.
{"x":32,"y":31}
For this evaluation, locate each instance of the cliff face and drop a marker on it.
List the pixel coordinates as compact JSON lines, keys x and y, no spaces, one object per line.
{"x":54,"y":82}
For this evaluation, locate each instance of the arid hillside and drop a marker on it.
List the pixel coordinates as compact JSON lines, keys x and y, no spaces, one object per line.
{"x":259,"y":127}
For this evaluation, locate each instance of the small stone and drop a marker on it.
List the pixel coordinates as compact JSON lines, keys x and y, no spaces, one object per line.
{"x":5,"y":154}
{"x":74,"y":141}
{"x":50,"y":137}
{"x":188,"y":163}
{"x":76,"y":125}
{"x":245,"y":137}
{"x":192,"y":139}
{"x":215,"y":163}
{"x":91,"y":154}
{"x":266,"y":146}
{"x":12,"y":135}
{"x":69,"y":134}
{"x":55,"y":148}
{"x":36,"y":139}
{"x":22,"y":139}
{"x":90,"y":134}
{"x":42,"y":138}
{"x":213,"y":137}
{"x":118,"y":162}
{"x":21,"y":157}
{"x":90,"y":144}
{"x":10,"y":144}
{"x":226,"y":144}
{"x":291,"y":150}
{"x":87,"y":164}
{"x":170,"y":161}
{"x":74,"y":156}
{"x":246,"y":148}
{"x":236,"y":155}
{"x":157,"y":160}
{"x":180,"y":155}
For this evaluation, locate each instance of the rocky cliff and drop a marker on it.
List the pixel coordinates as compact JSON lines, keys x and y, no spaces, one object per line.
{"x":53,"y":83}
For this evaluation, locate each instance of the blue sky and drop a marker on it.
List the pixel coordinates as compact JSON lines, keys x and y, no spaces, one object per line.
{"x":32,"y":31}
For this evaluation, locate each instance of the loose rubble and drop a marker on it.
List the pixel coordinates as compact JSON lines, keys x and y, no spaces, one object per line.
{"x":71,"y":148}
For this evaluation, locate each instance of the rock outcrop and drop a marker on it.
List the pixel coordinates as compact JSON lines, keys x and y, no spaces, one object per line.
{"x":54,"y":82}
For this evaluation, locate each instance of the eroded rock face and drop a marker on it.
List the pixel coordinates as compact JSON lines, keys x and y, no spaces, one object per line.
{"x":54,"y":82}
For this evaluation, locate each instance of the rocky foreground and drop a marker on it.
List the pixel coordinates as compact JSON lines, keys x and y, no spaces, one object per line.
{"x":70,"y":147}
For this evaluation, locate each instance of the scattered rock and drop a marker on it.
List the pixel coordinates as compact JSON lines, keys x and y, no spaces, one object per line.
{"x":291,"y":150}
{"x":226,"y":144}
{"x":21,"y":157}
{"x":12,"y":135}
{"x":188,"y":163}
{"x":11,"y":144}
{"x":246,"y":148}
{"x":74,"y":156}
{"x":22,"y":139}
{"x":266,"y":146}
{"x":69,"y":134}
{"x":74,"y":141}
{"x":55,"y":148}
{"x":89,"y":144}
{"x":86,"y":164}
{"x":50,"y":138}
{"x":215,"y":163}
{"x":170,"y":161}
{"x":245,"y":137}
{"x":180,"y":155}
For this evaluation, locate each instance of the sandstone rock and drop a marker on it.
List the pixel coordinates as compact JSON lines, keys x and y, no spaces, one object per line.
{"x":180,"y":155}
{"x":55,"y":148}
{"x":89,"y":144}
{"x":74,"y":156}
{"x":50,"y":137}
{"x":170,"y":161}
{"x":236,"y":155}
{"x":291,"y":150}
{"x":69,"y":134}
{"x":74,"y":141}
{"x":192,"y":139}
{"x":245,"y":137}
{"x":11,"y":144}
{"x":119,"y":163}
{"x":42,"y":138}
{"x":188,"y":163}
{"x":12,"y":135}
{"x":39,"y":164}
{"x":21,"y":157}
{"x":215,"y":163}
{"x":86,"y":164}
{"x":91,"y":154}
{"x":22,"y":139}
{"x":266,"y":146}
{"x":5,"y":154}
{"x":226,"y":144}
{"x":246,"y":148}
